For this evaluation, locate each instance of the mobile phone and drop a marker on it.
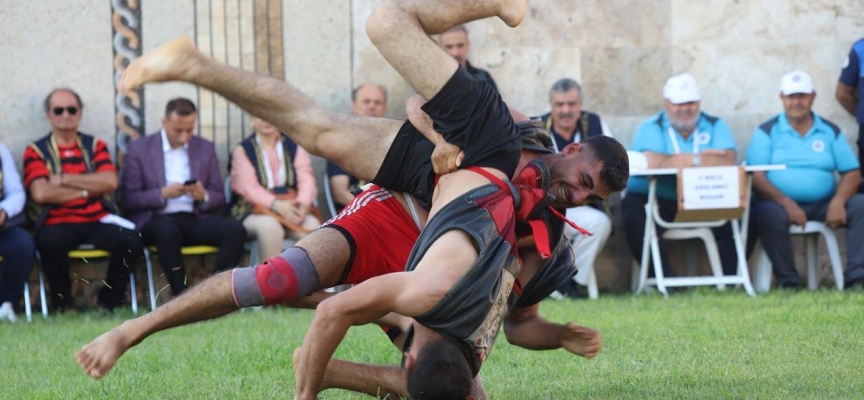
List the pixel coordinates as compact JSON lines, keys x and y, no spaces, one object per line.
{"x":190,"y":182}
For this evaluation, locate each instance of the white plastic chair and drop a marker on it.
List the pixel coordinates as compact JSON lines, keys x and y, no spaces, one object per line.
{"x":811,"y":231}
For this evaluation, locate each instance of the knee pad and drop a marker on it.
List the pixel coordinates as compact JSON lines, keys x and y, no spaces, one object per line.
{"x":278,"y":280}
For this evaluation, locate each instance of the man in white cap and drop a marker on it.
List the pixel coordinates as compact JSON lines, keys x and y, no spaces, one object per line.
{"x":680,"y":136}
{"x":812,"y":148}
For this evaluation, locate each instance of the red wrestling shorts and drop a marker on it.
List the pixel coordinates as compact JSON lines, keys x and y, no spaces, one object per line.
{"x":380,"y":232}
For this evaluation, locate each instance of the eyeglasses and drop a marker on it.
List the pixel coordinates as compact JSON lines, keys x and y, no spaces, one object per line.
{"x":58,"y":111}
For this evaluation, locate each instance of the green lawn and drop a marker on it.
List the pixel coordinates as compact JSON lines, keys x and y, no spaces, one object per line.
{"x":694,"y":345}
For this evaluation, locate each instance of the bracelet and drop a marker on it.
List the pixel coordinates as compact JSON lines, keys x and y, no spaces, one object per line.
{"x":273,"y":205}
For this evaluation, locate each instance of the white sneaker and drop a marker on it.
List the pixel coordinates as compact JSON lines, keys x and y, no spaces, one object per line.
{"x":7,"y":313}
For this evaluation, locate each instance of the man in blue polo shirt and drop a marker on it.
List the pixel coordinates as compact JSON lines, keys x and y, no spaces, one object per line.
{"x":812,"y":148}
{"x":850,"y":90}
{"x":680,"y":136}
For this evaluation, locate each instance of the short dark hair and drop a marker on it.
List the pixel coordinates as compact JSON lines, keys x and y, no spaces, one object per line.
{"x":458,"y":28}
{"x":616,"y":164}
{"x":565,"y":85}
{"x":47,"y":104}
{"x":180,"y":105}
{"x":441,"y":372}
{"x":357,"y":89}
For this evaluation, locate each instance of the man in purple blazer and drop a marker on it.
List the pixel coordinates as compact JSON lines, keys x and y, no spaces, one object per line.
{"x":172,"y":190}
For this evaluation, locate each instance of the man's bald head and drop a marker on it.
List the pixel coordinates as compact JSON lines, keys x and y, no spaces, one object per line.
{"x":369,"y":100}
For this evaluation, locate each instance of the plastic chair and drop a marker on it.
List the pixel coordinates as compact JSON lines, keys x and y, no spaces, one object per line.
{"x":811,"y":232}
{"x":184,"y":251}
{"x":85,"y":252}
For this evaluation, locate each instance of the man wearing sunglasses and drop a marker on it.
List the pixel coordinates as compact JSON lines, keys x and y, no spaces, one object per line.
{"x":68,"y":175}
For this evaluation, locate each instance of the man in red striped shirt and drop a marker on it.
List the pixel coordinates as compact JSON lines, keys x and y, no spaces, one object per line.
{"x":68,"y":174}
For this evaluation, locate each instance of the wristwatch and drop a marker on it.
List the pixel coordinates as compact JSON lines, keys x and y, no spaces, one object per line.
{"x":697,"y":161}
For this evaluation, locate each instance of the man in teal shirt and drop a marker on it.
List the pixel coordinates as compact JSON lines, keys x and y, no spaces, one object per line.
{"x":680,"y":136}
{"x":812,"y":148}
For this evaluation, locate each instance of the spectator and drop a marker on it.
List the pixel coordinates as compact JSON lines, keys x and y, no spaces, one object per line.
{"x":173,"y":192}
{"x":850,"y":91}
{"x":455,"y":42}
{"x":16,"y":245}
{"x":812,"y":148}
{"x":266,"y":164}
{"x":69,"y":175}
{"x":569,"y":123}
{"x":680,"y":136}
{"x":367,"y":100}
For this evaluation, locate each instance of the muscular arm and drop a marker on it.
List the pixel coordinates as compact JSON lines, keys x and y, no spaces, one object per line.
{"x":527,"y":329}
{"x":845,"y":94}
{"x":420,"y":119}
{"x":403,"y":292}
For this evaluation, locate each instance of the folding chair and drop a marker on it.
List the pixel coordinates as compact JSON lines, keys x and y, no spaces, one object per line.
{"x":84,"y":252}
{"x":811,"y":232}
{"x":184,"y":251}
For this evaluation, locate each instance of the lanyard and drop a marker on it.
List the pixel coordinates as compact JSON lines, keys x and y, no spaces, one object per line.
{"x":674,"y":140}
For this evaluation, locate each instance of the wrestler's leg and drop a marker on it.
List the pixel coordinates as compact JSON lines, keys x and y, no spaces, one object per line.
{"x":357,"y":144}
{"x":214,"y":297}
{"x":210,"y":299}
{"x":400,"y":29}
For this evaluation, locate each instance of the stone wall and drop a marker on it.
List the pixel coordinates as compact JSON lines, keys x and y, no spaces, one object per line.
{"x":620,"y":50}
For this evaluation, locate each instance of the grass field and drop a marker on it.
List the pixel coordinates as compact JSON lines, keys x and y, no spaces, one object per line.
{"x":695,"y":345}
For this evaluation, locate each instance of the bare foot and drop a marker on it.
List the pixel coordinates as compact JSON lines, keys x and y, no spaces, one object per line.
{"x":97,"y":357}
{"x":169,"y":62}
{"x":513,"y":12}
{"x":582,"y":341}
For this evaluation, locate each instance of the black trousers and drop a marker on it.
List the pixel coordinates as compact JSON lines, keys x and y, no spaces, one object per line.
{"x":55,"y":241}
{"x":860,"y":154}
{"x":19,"y":255}
{"x":633,"y":207}
{"x":170,"y":232}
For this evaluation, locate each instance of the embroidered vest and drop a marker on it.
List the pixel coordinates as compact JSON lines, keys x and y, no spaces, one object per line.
{"x":238,"y":206}
{"x":46,"y":147}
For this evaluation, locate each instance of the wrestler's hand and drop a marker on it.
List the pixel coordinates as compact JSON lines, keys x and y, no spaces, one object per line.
{"x":579,"y":340}
{"x":446,"y":157}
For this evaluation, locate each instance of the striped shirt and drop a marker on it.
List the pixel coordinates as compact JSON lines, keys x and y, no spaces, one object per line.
{"x":77,"y":211}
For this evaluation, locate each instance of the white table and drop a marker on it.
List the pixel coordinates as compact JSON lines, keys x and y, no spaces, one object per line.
{"x":651,"y":242}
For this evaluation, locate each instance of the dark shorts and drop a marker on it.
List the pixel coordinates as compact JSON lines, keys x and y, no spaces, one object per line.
{"x":380,"y":233}
{"x":555,"y":270}
{"x":468,"y":113}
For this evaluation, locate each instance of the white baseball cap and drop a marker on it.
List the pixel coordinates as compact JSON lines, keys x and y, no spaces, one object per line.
{"x":681,"y":89}
{"x":796,"y":82}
